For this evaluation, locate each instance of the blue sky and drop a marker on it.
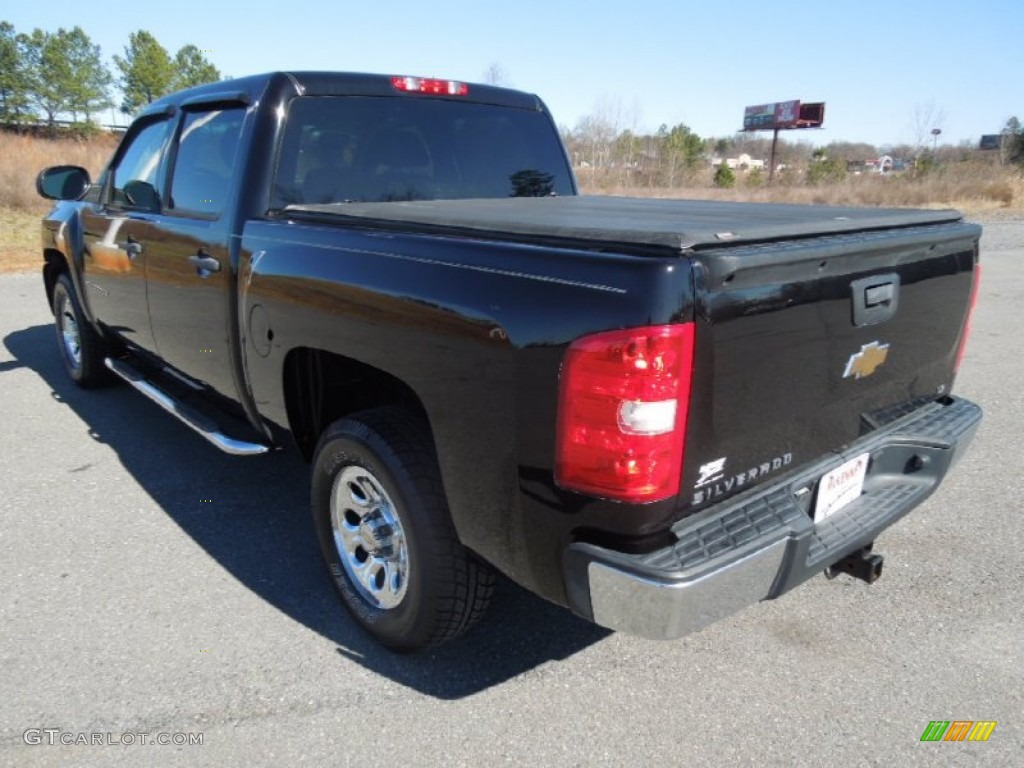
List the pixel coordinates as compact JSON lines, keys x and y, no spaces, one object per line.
{"x":874,"y":63}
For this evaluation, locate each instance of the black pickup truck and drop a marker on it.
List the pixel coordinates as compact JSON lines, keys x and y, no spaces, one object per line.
{"x":652,"y":412}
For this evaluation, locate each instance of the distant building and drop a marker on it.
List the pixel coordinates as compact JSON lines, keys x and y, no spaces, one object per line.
{"x":882,"y":165}
{"x":991,"y":141}
{"x":742,"y":163}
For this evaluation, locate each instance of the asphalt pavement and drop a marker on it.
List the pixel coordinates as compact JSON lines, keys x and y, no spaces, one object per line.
{"x":154,"y":589}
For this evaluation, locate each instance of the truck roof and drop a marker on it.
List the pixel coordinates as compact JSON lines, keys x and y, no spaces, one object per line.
{"x":629,"y":222}
{"x":252,"y":88}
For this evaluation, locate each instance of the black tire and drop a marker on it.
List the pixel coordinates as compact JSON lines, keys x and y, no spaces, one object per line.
{"x":442,"y":589}
{"x":81,"y":347}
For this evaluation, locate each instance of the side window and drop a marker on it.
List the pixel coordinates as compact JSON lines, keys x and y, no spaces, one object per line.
{"x":135,"y":179}
{"x":205,"y":160}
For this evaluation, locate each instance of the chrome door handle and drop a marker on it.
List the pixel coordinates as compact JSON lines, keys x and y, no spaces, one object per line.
{"x":133,"y":248}
{"x":205,"y":265}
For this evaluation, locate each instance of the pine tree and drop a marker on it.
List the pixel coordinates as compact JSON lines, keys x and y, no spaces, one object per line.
{"x":147,"y":72}
{"x":724,"y":177}
{"x":15,"y":82}
{"x":89,"y":87}
{"x":50,"y":73}
{"x":193,"y":68}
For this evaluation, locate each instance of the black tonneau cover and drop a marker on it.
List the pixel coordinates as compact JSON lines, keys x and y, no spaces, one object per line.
{"x":627,"y":222}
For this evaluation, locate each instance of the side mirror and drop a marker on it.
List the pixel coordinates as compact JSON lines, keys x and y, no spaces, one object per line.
{"x":62,"y":182}
{"x":142,"y":194}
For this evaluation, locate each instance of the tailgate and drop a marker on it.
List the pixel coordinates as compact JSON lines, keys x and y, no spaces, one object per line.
{"x":803,"y":346}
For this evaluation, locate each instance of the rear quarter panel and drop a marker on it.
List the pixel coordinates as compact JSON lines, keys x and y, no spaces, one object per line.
{"x":477,"y":329}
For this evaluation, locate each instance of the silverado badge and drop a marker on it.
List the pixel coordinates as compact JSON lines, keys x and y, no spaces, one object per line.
{"x":867,"y":361}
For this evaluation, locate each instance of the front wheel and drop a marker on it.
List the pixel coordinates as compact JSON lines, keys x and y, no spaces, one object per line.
{"x":81,"y":347}
{"x":386,"y":536}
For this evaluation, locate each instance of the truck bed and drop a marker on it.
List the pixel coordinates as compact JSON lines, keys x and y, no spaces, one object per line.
{"x":623,"y":223}
{"x":775,"y":288}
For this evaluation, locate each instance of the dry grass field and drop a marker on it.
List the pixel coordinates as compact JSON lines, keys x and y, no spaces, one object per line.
{"x":19,"y":240}
{"x":973,"y":187}
{"x":21,"y":159}
{"x":981,"y":190}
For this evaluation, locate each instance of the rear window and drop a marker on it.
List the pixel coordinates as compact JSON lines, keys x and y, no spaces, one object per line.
{"x":379,"y":149}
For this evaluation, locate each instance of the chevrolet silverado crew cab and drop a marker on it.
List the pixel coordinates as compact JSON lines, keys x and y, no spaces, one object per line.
{"x":651,"y":412}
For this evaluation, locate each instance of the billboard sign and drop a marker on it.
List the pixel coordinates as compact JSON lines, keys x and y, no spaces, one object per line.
{"x":783,"y":114}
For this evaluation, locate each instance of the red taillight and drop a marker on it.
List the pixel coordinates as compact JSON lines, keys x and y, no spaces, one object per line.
{"x":622,"y":408}
{"x":430,"y":85}
{"x":975,"y":280}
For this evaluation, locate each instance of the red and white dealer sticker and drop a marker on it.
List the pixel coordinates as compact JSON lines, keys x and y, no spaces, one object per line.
{"x":841,"y":486}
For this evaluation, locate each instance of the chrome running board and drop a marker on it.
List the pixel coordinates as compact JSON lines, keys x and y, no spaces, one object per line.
{"x":192,"y":418}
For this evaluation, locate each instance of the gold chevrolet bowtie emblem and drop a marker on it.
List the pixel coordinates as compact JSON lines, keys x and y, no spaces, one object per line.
{"x":866,"y":362}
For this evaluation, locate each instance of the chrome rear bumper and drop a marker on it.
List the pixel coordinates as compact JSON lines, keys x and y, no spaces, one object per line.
{"x":762,"y":543}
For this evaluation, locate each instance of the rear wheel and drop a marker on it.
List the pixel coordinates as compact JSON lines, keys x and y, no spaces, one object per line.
{"x":81,"y":348}
{"x":386,"y":536}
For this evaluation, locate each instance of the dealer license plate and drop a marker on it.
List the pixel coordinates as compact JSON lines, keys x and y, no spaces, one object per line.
{"x":841,"y":486}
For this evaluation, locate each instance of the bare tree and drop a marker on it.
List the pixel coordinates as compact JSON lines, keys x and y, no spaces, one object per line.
{"x":594,"y":135}
{"x":628,"y":144}
{"x":851,"y":151}
{"x":593,"y":138}
{"x":926,"y":118}
{"x":495,"y":74}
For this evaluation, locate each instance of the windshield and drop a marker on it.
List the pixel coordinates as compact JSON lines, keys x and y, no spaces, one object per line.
{"x":378,"y":149}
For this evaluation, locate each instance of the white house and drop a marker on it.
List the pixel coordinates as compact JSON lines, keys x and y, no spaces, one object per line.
{"x":742,"y":163}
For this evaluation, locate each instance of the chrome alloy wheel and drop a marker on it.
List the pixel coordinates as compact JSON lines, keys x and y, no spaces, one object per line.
{"x":369,"y":538}
{"x":67,"y":329}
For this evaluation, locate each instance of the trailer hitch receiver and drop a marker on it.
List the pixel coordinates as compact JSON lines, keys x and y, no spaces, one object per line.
{"x":860,"y":564}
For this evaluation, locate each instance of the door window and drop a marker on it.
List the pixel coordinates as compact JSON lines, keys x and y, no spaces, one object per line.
{"x":136,"y":176}
{"x":205,"y":160}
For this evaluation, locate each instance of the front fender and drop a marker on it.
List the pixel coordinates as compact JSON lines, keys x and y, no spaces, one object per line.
{"x":63,"y":242}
